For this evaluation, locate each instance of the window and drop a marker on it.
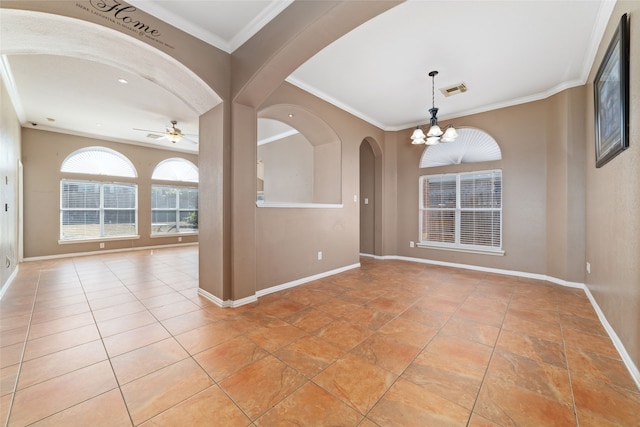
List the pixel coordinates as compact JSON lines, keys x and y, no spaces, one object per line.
{"x":176,"y":169}
{"x":91,"y":210}
{"x":462,"y":210}
{"x":174,"y":209}
{"x":98,"y":209}
{"x":99,"y":161}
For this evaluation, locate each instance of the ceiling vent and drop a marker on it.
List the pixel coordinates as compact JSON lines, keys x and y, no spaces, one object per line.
{"x":454,"y":90}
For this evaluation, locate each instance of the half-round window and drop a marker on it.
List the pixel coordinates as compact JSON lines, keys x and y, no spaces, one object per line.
{"x":471,"y":146}
{"x":176,"y":169}
{"x":99,"y":161}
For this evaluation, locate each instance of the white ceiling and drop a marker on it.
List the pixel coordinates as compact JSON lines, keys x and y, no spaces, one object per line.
{"x":505,"y":52}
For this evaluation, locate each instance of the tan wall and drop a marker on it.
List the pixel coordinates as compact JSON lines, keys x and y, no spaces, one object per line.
{"x":565,"y":185}
{"x":288,"y":169}
{"x":43,"y":153}
{"x":521,"y":135}
{"x":368,"y":194}
{"x":288,"y":240}
{"x":9,"y":156}
{"x":326,"y":173}
{"x":612,"y":203}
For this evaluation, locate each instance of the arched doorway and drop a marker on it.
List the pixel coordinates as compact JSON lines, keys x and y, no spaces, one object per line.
{"x":370,"y":198}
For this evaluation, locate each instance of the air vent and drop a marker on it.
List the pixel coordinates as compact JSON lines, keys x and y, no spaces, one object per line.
{"x":153,"y":136}
{"x":454,"y":90}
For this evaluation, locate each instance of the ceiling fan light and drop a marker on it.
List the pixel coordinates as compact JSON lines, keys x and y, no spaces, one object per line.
{"x":433,"y":140}
{"x":417,"y":141}
{"x":174,"y":137}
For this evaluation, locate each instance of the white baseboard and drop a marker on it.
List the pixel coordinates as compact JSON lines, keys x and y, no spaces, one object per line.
{"x":298,"y":282}
{"x":633,"y":369}
{"x":253,"y":298}
{"x":226,"y":303}
{"x":106,"y":251}
{"x":7,"y":284}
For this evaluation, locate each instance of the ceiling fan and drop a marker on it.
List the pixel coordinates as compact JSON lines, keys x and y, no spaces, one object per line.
{"x":172,"y":133}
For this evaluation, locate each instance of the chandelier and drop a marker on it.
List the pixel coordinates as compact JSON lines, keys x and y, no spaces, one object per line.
{"x":435,"y":134}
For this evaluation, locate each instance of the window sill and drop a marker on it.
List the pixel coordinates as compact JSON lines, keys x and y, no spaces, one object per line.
{"x":494,"y":252}
{"x":97,"y":239}
{"x":161,"y":235}
{"x":299,"y":205}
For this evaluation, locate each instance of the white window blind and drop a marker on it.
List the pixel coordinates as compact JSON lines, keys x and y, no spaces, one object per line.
{"x":99,"y":161}
{"x":91,"y":210}
{"x":174,"y":209}
{"x":462,"y":210}
{"x":176,"y":169}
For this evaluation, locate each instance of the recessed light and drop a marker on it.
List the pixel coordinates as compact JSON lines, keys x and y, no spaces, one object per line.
{"x":123,"y":81}
{"x":291,"y":115}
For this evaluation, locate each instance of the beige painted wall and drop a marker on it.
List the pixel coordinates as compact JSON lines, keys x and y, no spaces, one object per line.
{"x":288,"y":240}
{"x":327,"y":165}
{"x":521,"y":134}
{"x":43,"y":153}
{"x":368,"y":195}
{"x":9,"y":155}
{"x":612,"y":203}
{"x":288,"y":169}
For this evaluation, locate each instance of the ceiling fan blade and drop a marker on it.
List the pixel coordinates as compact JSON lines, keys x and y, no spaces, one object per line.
{"x":189,"y":140}
{"x":161,"y":132}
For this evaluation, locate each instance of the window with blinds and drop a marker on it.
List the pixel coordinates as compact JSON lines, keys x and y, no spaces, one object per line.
{"x":462,"y":210}
{"x":90,"y":210}
{"x":174,"y":209}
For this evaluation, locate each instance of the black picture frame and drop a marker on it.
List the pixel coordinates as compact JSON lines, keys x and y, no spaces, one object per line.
{"x":611,"y":90}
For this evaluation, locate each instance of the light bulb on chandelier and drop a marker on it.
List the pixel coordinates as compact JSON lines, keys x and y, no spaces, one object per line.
{"x":435,"y":135}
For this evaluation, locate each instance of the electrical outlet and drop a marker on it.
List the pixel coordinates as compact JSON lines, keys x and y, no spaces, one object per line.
{"x":588,"y":267}
{"x":179,"y":239}
{"x":101,"y":245}
{"x":412,"y":244}
{"x":319,"y":255}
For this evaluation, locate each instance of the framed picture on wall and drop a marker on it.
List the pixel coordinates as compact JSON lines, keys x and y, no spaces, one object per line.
{"x":611,"y":87}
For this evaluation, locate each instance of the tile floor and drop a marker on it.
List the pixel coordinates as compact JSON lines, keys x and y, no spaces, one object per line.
{"x":124,"y":339}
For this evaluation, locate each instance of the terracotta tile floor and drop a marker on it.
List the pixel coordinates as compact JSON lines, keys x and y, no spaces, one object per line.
{"x":124,"y":339}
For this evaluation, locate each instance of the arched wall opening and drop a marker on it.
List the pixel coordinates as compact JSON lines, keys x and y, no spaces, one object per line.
{"x":299,"y":158}
{"x":370,"y":198}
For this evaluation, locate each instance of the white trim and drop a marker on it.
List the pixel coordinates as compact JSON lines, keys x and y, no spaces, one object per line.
{"x":294,"y":283}
{"x":228,"y":303}
{"x":277,"y":137}
{"x":98,"y":239}
{"x":106,"y":251}
{"x":494,"y":252}
{"x":9,"y":281}
{"x":179,"y":234}
{"x":261,"y":204}
{"x":631,"y":367}
{"x":490,"y":270}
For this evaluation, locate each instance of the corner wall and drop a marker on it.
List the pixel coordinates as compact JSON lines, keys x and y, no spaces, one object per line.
{"x":43,"y":153}
{"x":10,"y":134}
{"x":612,"y":205}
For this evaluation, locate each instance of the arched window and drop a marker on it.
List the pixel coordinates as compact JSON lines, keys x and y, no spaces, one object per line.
{"x":98,"y":209}
{"x":176,"y":169}
{"x":462,"y":210}
{"x":99,"y":161}
{"x":471,"y":146}
{"x":174,"y":208}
